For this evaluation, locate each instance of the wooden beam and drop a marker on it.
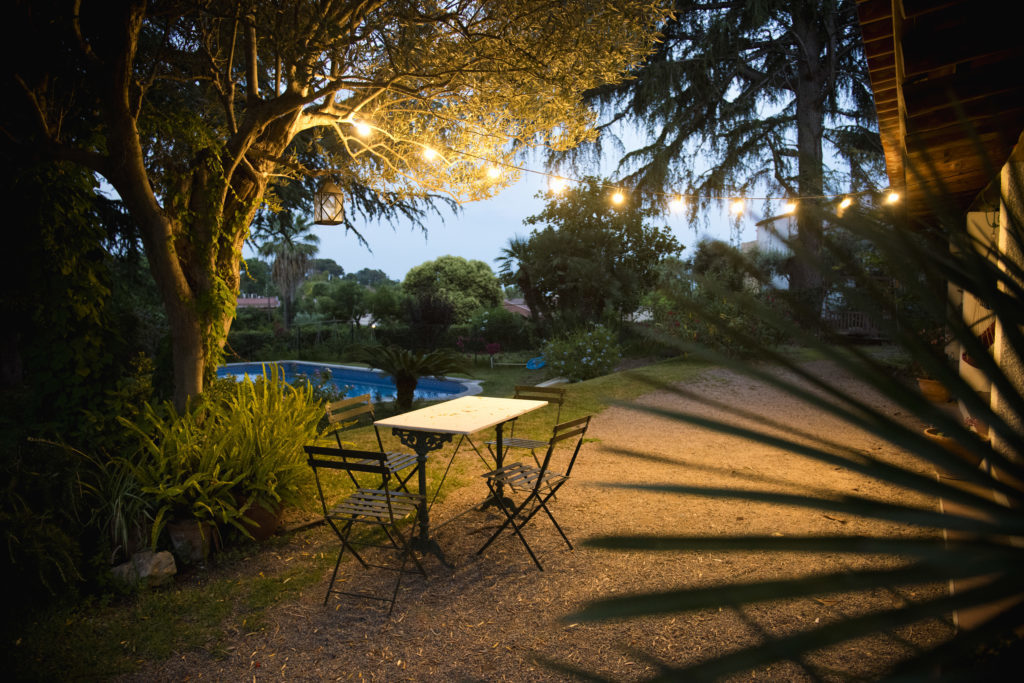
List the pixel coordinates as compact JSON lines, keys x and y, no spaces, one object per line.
{"x":965,"y":85}
{"x":952,"y":36}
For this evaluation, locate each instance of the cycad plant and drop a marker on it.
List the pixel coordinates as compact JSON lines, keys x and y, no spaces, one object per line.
{"x":983,"y":546}
{"x":406,"y":367}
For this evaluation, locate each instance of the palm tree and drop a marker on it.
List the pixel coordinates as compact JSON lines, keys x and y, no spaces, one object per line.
{"x":514,"y":269}
{"x":291,"y":245}
{"x":983,"y":551}
{"x":406,"y":367}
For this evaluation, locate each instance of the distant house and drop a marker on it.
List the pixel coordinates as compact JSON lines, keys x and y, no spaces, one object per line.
{"x":517,"y":306}
{"x":772,"y":234}
{"x":265,"y":302}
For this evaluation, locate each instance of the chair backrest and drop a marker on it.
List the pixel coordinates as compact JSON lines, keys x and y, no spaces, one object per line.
{"x":341,"y":413}
{"x":349,"y":460}
{"x":573,"y":429}
{"x":553,"y":395}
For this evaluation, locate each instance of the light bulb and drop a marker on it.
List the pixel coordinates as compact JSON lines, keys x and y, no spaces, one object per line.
{"x":736,"y":206}
{"x":362,"y":129}
{"x":789,"y":207}
{"x":556,"y":185}
{"x":429,"y":154}
{"x":493,"y":172}
{"x":677,"y":204}
{"x":892,"y":198}
{"x":618,"y":197}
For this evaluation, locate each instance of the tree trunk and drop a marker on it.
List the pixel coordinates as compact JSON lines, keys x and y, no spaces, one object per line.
{"x":405,"y":390}
{"x":805,"y":277}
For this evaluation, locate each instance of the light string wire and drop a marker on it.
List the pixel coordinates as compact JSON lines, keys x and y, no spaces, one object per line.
{"x":558,"y":182}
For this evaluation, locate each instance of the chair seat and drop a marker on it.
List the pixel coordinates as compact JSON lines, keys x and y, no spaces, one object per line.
{"x":372,"y":505}
{"x":516,"y":442}
{"x":396,"y":461}
{"x":523,"y":477}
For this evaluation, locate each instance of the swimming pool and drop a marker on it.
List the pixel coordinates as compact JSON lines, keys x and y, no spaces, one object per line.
{"x":355,"y":381}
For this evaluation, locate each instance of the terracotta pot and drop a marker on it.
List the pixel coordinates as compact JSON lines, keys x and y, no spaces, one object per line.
{"x":191,"y":539}
{"x":262,"y":522}
{"x":933,"y":390}
{"x":953,"y":446}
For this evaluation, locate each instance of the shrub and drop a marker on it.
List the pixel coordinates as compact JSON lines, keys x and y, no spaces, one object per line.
{"x":583,"y":354}
{"x":239,"y":445}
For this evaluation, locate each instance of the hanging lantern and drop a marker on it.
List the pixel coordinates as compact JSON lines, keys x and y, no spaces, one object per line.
{"x":328,"y":205}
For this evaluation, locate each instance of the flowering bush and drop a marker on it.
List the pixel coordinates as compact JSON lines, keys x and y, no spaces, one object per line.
{"x":583,"y":354}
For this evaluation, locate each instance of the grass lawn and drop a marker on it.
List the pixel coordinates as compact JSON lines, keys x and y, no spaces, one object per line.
{"x":104,"y":637}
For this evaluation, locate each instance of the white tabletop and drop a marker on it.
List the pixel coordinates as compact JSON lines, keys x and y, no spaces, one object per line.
{"x":465,"y":415}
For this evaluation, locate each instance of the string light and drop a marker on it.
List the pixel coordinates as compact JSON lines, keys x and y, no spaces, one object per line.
{"x":557,"y":184}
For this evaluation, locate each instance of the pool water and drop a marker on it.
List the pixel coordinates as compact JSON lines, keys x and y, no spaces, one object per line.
{"x":351,"y":381}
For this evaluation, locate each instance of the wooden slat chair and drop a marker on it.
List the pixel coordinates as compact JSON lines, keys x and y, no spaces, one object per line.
{"x":382,"y":507}
{"x":350,"y":412}
{"x":539,"y":484}
{"x":554,"y":396}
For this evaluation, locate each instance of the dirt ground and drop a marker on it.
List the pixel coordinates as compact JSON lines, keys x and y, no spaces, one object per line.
{"x":495,"y":616}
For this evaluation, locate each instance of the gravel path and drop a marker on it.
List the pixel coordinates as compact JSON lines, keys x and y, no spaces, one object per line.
{"x":494,"y":616}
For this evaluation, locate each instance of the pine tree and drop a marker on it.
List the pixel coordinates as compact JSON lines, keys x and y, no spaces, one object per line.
{"x":754,"y":96}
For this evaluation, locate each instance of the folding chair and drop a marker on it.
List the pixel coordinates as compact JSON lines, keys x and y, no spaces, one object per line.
{"x":553,"y":395}
{"x":341,"y":414}
{"x":380,"y":507}
{"x":538,"y":483}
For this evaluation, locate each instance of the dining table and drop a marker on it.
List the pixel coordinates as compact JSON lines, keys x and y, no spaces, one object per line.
{"x":428,"y":429}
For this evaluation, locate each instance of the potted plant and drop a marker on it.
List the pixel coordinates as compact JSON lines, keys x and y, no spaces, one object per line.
{"x":268,"y":423}
{"x":185,"y":477}
{"x":938,"y":361}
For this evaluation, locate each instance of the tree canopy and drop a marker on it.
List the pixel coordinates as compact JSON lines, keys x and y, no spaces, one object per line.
{"x":467,"y":285}
{"x":748,"y":96}
{"x":190,"y":110}
{"x":589,"y":259}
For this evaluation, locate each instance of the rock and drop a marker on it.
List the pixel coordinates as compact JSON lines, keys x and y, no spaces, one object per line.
{"x":125,"y":574}
{"x":154,"y":569}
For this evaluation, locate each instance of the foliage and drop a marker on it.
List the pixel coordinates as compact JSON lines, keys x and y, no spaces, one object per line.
{"x":256,"y":278}
{"x":429,"y":319}
{"x":238,"y":446}
{"x":191,"y":110}
{"x":498,"y":325}
{"x":39,"y":515}
{"x":340,"y":300}
{"x":583,"y":354}
{"x":370,"y":277}
{"x":589,"y":260}
{"x":386,"y":302}
{"x":406,"y":367}
{"x":766,"y":91}
{"x":980,"y":549}
{"x":467,"y":285}
{"x":695,"y":302}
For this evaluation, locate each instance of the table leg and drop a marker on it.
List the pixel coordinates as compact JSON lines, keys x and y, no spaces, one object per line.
{"x":499,"y":460}
{"x":422,"y":443}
